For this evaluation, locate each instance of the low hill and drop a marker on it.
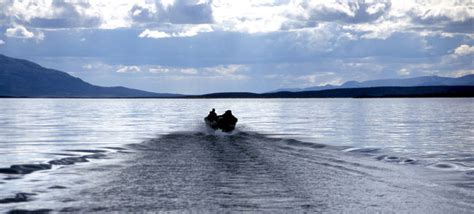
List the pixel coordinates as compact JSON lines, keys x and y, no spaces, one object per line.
{"x":418,"y":91}
{"x":467,"y":80}
{"x":22,"y":78}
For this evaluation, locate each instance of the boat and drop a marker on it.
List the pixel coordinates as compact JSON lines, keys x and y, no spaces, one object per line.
{"x":225,"y":122}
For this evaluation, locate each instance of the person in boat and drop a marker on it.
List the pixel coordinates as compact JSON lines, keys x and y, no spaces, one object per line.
{"x":227,"y":121}
{"x":212,"y":115}
{"x":211,"y":119}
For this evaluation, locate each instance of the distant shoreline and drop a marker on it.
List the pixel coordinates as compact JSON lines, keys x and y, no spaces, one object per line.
{"x":207,"y":98}
{"x":373,"y":92}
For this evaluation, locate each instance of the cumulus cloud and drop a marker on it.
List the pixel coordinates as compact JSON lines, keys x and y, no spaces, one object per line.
{"x":107,"y":14}
{"x":128,"y":69}
{"x":343,"y":11}
{"x":381,"y":19}
{"x":19,"y":31}
{"x":452,"y":16}
{"x":155,"y":34}
{"x":463,"y":50}
{"x":174,"y":12}
{"x":249,"y":16}
{"x":374,"y":19}
{"x":51,"y":14}
{"x":2,"y":42}
{"x":445,"y":18}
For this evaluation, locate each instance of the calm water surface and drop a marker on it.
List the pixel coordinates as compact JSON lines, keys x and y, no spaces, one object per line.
{"x":316,"y":155}
{"x":438,"y":129}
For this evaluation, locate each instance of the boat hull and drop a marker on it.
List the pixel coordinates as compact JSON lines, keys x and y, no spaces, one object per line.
{"x":223,"y":125}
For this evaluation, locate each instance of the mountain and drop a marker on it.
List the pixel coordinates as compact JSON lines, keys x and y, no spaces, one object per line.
{"x":416,"y":81}
{"x":22,"y":78}
{"x":370,"y":92}
{"x":467,"y":80}
{"x":315,"y":88}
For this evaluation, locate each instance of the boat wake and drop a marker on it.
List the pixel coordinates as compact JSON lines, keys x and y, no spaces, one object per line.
{"x":247,"y":171}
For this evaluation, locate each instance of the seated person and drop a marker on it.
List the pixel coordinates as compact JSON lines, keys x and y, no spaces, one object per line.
{"x":211,"y":119}
{"x":227,"y":121}
{"x":212,"y":115}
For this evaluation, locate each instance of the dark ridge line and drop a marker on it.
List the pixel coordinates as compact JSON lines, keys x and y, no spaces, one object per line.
{"x":79,"y":97}
{"x":371,"y":92}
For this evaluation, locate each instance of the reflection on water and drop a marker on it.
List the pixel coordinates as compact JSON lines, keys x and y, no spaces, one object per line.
{"x":439,"y":129}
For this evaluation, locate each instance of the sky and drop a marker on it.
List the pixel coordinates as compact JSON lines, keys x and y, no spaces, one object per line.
{"x":203,"y":46}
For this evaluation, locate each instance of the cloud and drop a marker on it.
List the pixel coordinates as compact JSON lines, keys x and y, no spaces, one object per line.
{"x":374,"y":19}
{"x":98,"y":66}
{"x":65,"y":14}
{"x":224,"y":72}
{"x":51,"y":14}
{"x":2,"y":42}
{"x":189,"y":71}
{"x":188,"y":31}
{"x":425,"y":18}
{"x":19,"y":31}
{"x":227,"y":69}
{"x":158,"y":70}
{"x":248,"y":16}
{"x":307,"y":79}
{"x":461,"y":73}
{"x":154,"y":34}
{"x":403,"y":72}
{"x":88,"y":66}
{"x":106,"y":14}
{"x":342,"y":11}
{"x":219,"y":70}
{"x":450,"y":16}
{"x":236,"y":40}
{"x":174,"y":12}
{"x":463,"y":50}
{"x":445,"y":18}
{"x":128,"y":69}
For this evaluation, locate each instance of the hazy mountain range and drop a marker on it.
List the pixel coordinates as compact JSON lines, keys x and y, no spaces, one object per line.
{"x":467,"y":80}
{"x":22,"y":78}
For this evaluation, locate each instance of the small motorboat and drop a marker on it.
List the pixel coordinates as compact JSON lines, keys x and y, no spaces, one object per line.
{"x":225,"y":122}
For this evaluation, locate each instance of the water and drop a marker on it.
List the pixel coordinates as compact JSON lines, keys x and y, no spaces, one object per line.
{"x":352,"y":152}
